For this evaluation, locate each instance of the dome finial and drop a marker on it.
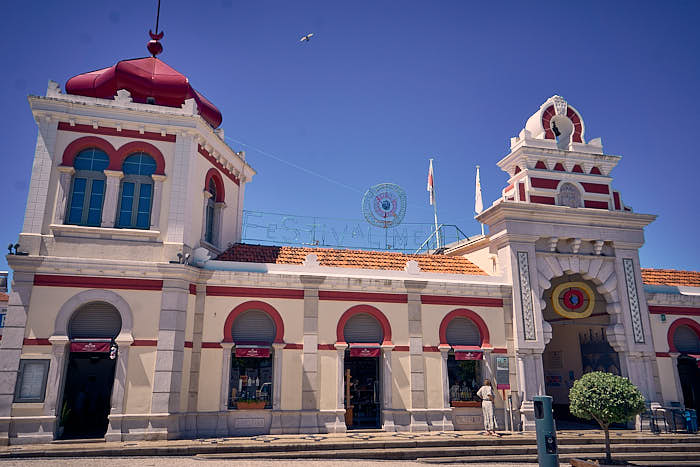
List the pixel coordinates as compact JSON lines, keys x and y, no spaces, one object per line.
{"x":154,"y":46}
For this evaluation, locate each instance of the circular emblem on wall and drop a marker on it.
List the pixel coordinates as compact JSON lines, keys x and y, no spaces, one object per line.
{"x":384,"y":205}
{"x":573,"y":300}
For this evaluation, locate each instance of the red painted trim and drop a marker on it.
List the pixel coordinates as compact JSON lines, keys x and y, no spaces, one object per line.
{"x":217,"y":164}
{"x":596,"y":188}
{"x":547,"y":115}
{"x":517,"y":170}
{"x":35,"y":342}
{"x":508,"y":188}
{"x":362,"y":297}
{"x":97,"y":282}
{"x":559,"y":167}
{"x":128,"y":149}
{"x":116,"y":156}
{"x":211,"y":345}
{"x":595,"y":204}
{"x":596,"y":171}
{"x":577,"y":137}
{"x":294,"y":347}
{"x":662,"y":354}
{"x":540,"y":165}
{"x":464,"y":313}
{"x":218,"y":182}
{"x":674,"y":310}
{"x":193,"y":289}
{"x":219,"y":291}
{"x":692,"y":324}
{"x":102,"y":130}
{"x":430,"y":348}
{"x":577,"y":168}
{"x":326,"y":346}
{"x":542,"y":199}
{"x":499,"y":350}
{"x":401,"y":348}
{"x":144,"y":343}
{"x":616,"y":199}
{"x":189,"y":345}
{"x":370,"y":310}
{"x":254,"y":305}
{"x":548,"y":183}
{"x":521,"y":190}
{"x":86,"y":142}
{"x":461,"y":301}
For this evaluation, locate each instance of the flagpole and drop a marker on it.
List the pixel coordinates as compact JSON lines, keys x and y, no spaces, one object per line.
{"x":437,"y":231}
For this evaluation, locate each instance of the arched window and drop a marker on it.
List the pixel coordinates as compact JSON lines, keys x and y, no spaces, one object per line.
{"x":88,"y":188}
{"x":686,"y":340}
{"x":210,"y":213}
{"x":136,"y":192}
{"x":464,"y":361}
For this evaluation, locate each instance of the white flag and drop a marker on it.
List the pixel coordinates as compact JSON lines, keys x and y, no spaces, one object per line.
{"x":431,"y":187}
{"x":478,"y":204}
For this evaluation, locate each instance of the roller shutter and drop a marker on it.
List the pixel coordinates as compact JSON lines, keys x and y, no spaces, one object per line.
{"x":254,"y":326}
{"x":463,"y":331}
{"x":686,"y":341}
{"x":95,"y":320}
{"x":363,"y":328}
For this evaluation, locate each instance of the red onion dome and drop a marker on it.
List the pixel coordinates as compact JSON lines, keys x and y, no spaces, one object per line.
{"x":149,"y":80}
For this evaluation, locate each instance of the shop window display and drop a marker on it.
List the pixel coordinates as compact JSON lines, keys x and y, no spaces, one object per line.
{"x":464,"y":378}
{"x":251,"y":383}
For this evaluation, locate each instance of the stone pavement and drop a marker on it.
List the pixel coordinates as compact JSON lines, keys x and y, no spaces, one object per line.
{"x":367,"y":446}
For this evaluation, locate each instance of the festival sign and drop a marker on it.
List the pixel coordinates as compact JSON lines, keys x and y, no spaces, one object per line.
{"x":359,"y":351}
{"x":90,"y":347}
{"x":254,"y":352}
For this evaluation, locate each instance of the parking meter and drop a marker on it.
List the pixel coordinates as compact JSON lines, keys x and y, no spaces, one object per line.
{"x":546,"y":432}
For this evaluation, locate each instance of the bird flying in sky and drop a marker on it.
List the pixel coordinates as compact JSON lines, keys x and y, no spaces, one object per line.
{"x":306,"y":38}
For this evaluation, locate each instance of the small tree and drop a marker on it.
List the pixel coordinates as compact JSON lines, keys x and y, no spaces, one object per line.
{"x":605,"y":398}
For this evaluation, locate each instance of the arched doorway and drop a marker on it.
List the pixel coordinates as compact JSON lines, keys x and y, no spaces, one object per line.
{"x":687,"y":342}
{"x":578,"y":318}
{"x":87,"y":393}
{"x":363,"y":392}
{"x":251,"y":377}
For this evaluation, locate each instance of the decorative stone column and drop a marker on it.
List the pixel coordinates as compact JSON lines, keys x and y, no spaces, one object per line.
{"x":219,"y":208}
{"x":419,"y":414}
{"x":116,"y":419}
{"x":387,"y":383}
{"x":310,"y":391}
{"x":676,"y":377}
{"x":157,"y":200}
{"x":206,"y":196}
{"x":111,"y":199}
{"x":59,"y":346}
{"x":530,"y":382}
{"x":222,"y":419}
{"x":447,"y":423}
{"x":340,"y":401}
{"x":62,"y":192}
{"x":277,"y":349}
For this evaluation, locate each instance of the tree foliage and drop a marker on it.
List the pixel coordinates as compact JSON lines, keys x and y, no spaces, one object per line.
{"x":606,"y":398}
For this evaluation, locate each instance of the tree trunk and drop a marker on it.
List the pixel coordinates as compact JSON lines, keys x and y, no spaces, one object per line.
{"x":608,"y":456}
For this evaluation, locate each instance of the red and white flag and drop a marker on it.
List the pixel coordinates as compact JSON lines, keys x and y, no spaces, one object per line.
{"x":431,"y":187}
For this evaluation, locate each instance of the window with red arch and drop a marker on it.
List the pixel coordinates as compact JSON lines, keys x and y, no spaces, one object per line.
{"x":684,"y":337}
{"x":215,"y":195}
{"x":252,"y":327}
{"x":466,"y":334}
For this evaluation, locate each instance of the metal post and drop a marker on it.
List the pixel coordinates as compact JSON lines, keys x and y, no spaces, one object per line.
{"x":547,"y":453}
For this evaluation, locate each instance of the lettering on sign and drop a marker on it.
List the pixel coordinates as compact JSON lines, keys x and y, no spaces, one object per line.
{"x":250,"y":423}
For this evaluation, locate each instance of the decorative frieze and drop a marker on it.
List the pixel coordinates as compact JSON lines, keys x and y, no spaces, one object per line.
{"x":633,"y":298}
{"x":526,"y":296}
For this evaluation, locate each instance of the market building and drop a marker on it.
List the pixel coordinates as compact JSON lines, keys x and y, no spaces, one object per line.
{"x":137,"y":303}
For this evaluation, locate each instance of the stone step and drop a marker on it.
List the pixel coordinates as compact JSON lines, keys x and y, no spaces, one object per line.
{"x":645,"y":459}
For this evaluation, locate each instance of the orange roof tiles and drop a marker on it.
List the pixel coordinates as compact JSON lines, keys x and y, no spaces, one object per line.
{"x":671,"y":277}
{"x":4,"y":297}
{"x":349,"y":258}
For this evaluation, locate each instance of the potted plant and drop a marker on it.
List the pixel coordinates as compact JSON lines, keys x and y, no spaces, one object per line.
{"x":250,"y":404}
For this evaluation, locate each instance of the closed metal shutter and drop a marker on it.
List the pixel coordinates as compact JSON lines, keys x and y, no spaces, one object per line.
{"x":463,"y":331}
{"x":363,"y":328}
{"x":254,"y":326}
{"x":686,"y":341}
{"x":95,"y":320}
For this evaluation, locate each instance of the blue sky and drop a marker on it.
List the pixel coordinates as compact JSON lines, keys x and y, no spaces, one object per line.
{"x":384,"y":85}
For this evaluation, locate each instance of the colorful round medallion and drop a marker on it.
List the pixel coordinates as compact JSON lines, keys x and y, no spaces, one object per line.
{"x":573,"y":300}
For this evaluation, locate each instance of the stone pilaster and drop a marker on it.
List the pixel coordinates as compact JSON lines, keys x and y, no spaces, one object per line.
{"x":111,"y":199}
{"x":206,"y":197}
{"x":11,"y":345}
{"x":387,"y":386}
{"x":219,"y":209}
{"x":157,"y":200}
{"x":185,"y":151}
{"x":116,"y":427}
{"x":447,"y":417}
{"x":419,"y":420}
{"x":310,"y":381}
{"x":167,"y":380}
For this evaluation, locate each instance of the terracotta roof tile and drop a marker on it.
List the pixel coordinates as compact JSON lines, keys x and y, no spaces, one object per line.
{"x":4,"y":297}
{"x":671,"y":277}
{"x":349,"y":258}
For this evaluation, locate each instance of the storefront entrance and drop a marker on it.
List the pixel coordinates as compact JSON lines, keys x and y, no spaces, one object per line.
{"x":689,"y":374}
{"x":87,"y":395}
{"x":362,"y":392}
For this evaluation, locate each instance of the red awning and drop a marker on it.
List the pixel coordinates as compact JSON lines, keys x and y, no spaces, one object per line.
{"x":364,"y":350}
{"x":468,"y":352}
{"x":90,"y":346}
{"x":252,"y":351}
